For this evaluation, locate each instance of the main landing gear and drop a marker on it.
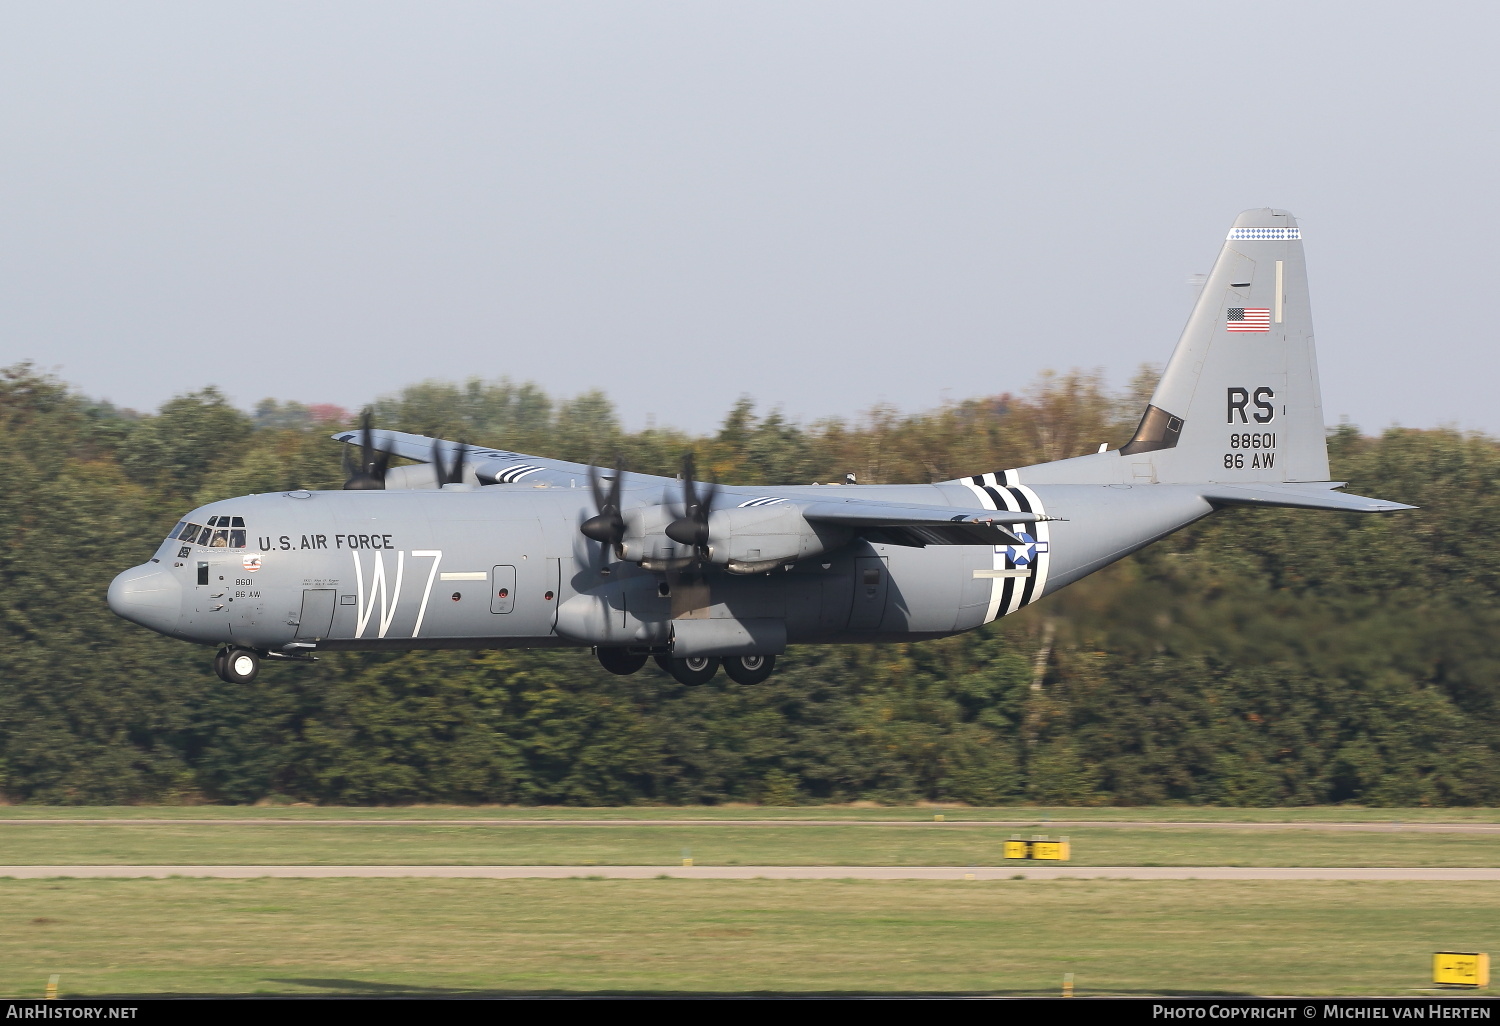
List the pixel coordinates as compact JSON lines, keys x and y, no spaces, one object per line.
{"x":695,"y":670}
{"x":236,"y":665}
{"x":749,"y":669}
{"x":692,"y":671}
{"x":620,"y":660}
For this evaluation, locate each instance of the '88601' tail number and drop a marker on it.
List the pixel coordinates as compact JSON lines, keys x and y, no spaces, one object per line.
{"x":1253,"y":440}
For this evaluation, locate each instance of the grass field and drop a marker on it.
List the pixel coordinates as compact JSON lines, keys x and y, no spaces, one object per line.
{"x":852,"y":845}
{"x":446,"y":937}
{"x":451,"y":937}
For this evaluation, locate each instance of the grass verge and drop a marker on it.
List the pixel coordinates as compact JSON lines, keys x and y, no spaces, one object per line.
{"x":940,"y":845}
{"x":1029,"y":815}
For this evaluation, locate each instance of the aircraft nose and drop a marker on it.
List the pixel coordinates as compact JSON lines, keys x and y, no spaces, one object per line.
{"x":148,"y":595}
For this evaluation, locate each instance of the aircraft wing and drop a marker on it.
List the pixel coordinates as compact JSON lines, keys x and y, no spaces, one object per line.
{"x":491,"y":466}
{"x":890,"y":522}
{"x":1299,"y":496}
{"x":918,"y":525}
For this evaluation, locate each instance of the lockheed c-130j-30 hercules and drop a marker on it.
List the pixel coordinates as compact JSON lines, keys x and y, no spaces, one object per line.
{"x":482,"y":548}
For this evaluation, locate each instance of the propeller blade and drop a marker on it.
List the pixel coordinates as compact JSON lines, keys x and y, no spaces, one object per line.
{"x":598,"y":489}
{"x":447,"y":475}
{"x":607,"y":527}
{"x":691,"y":524}
{"x":370,"y":474}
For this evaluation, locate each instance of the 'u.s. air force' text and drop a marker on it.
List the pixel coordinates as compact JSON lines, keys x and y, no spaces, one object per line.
{"x":320,"y":541}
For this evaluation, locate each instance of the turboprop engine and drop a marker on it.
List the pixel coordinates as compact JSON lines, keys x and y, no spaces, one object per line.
{"x":742,"y":540}
{"x":644,"y":539}
{"x":755,"y":539}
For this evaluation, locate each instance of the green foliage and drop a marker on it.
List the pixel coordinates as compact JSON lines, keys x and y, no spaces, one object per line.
{"x":1261,"y":657}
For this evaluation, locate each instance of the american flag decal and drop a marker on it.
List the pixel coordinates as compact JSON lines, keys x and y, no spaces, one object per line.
{"x":1249,"y":318}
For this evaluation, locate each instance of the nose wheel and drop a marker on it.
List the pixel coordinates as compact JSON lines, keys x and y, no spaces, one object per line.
{"x":236,"y":665}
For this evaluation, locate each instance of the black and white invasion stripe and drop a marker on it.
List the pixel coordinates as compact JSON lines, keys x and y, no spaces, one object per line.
{"x":1003,"y":491}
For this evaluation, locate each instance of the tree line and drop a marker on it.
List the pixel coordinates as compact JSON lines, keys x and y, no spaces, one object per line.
{"x":1261,"y":657}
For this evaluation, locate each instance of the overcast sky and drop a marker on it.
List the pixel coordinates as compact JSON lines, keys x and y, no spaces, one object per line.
{"x":823,"y":205}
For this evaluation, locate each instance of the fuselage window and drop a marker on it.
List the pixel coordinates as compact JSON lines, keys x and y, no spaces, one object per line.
{"x":190,"y":533}
{"x":237,"y":537}
{"x":177,"y":531}
{"x":237,"y":522}
{"x":221,"y":539}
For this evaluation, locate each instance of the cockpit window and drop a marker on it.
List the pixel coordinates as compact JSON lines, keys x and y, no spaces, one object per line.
{"x":217,"y":534}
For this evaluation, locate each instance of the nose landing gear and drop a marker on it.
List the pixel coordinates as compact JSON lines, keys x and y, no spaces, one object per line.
{"x":236,"y":665}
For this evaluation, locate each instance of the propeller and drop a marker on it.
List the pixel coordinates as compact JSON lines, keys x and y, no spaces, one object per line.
{"x":691,"y":525}
{"x":370,"y":472}
{"x":447,"y":475}
{"x":607,"y":527}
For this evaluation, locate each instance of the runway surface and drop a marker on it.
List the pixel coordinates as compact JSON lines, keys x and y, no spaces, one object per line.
{"x":1029,"y":872}
{"x":1386,"y":827}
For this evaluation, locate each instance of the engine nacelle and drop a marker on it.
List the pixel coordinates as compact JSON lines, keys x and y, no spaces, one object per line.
{"x":754,"y":539}
{"x":646,"y":542}
{"x":742,"y":539}
{"x":421,"y":476}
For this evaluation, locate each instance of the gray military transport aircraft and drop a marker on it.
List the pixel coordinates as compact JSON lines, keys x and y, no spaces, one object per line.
{"x":485,"y":548}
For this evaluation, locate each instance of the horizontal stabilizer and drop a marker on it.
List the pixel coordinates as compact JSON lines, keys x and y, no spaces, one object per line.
{"x":919,"y":525}
{"x":1298,"y":496}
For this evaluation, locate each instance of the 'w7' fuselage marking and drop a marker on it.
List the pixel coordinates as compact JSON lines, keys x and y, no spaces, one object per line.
{"x":388,"y":592}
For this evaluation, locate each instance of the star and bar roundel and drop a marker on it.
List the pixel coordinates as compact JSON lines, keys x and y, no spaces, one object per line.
{"x":1021,"y":556}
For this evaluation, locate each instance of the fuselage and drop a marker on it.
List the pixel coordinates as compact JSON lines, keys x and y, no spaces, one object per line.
{"x":506,"y":566}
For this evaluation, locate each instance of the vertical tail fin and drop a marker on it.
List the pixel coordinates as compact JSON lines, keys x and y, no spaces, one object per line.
{"x":1239,"y":400}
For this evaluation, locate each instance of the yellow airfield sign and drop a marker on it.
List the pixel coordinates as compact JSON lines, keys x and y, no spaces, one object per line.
{"x":1461,"y":968}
